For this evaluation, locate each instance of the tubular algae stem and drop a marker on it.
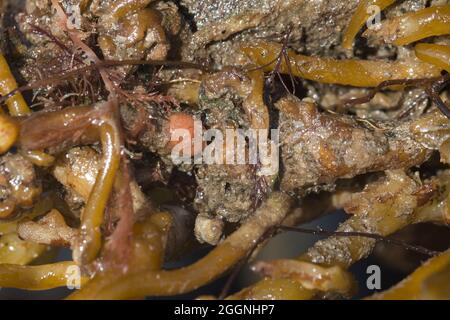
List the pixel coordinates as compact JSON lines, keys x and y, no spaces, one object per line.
{"x":53,"y":129}
{"x":254,"y":104}
{"x":414,"y":26}
{"x":9,"y":132}
{"x":16,"y":104}
{"x":17,"y":107}
{"x":41,"y":277}
{"x":147,"y":249}
{"x":274,"y":289}
{"x":436,"y":54}
{"x":39,"y":158}
{"x":353,"y":72}
{"x":120,"y":9}
{"x":92,"y":217}
{"x":360,"y":17}
{"x":14,"y":250}
{"x":311,"y":276}
{"x":222,"y":258}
